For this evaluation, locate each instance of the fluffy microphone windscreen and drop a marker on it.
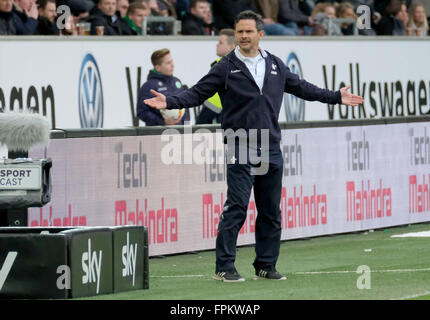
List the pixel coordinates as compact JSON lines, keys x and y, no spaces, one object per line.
{"x":20,"y":131}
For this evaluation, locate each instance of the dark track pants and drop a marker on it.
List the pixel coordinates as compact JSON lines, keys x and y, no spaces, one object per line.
{"x":267,"y":195}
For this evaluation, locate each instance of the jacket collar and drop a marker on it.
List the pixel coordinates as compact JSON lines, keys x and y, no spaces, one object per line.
{"x":238,"y":54}
{"x":154,"y":74}
{"x":241,"y":65}
{"x":132,"y":25}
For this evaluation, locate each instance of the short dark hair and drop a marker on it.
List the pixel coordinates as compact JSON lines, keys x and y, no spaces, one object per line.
{"x":42,"y":3}
{"x":157,"y":56}
{"x":136,"y":6}
{"x":193,"y":3}
{"x":250,"y":15}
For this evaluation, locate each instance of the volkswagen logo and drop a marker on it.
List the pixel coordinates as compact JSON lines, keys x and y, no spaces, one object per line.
{"x":90,"y":95}
{"x":294,"y":106}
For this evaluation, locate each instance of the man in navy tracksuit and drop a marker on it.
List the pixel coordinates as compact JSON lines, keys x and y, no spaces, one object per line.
{"x":251,"y":83}
{"x":162,"y":80}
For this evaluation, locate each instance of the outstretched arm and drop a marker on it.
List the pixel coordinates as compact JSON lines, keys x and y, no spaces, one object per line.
{"x":308,"y":91}
{"x":204,"y":89}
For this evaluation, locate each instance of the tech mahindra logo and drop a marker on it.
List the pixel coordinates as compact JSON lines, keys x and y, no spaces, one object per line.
{"x":419,"y":147}
{"x":358,"y":153}
{"x":364,"y":199}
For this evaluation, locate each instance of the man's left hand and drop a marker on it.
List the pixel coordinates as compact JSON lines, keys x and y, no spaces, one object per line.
{"x":350,"y":99}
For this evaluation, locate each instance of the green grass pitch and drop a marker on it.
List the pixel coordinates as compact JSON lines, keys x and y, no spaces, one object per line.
{"x":316,"y":268}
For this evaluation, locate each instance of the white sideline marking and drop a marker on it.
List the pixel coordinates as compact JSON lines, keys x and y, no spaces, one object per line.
{"x":181,"y":276}
{"x":355,"y":271}
{"x":305,"y":273}
{"x":413,"y":234}
{"x":413,"y":296}
{"x":324,"y":272}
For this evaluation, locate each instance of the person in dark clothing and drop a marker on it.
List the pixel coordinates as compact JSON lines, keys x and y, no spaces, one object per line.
{"x":7,"y":26}
{"x":47,"y":14}
{"x":104,"y":14}
{"x":225,"y":11}
{"x":46,"y":27}
{"x":269,"y":10}
{"x":195,"y":22}
{"x":251,"y":83}
{"x":25,"y":16}
{"x":387,"y":23}
{"x":292,"y":17}
{"x":136,"y":12}
{"x":161,"y":79}
{"x":381,"y":5}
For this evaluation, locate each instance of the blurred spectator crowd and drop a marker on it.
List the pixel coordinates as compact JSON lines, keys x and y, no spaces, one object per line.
{"x":207,"y":17}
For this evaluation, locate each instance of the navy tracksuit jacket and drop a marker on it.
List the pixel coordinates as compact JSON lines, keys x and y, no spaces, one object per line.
{"x":245,"y":106}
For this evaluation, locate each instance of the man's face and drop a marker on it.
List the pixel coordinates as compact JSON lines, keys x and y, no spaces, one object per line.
{"x":108,"y":7}
{"x":223,"y":47}
{"x":207,"y":13}
{"x":24,"y":4}
{"x":200,"y":9}
{"x":137,"y":17}
{"x":49,"y":12}
{"x":6,"y":5}
{"x":122,"y":6}
{"x":247,"y":35}
{"x":147,"y":12}
{"x":166,"y":66}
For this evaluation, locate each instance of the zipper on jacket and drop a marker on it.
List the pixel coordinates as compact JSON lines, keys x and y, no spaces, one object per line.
{"x":252,"y":78}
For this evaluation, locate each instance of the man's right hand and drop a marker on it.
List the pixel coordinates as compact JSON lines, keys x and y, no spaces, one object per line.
{"x":33,"y":12}
{"x":158,"y":102}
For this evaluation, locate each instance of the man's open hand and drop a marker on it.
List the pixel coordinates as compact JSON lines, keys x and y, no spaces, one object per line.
{"x":158,"y":102}
{"x":350,"y":99}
